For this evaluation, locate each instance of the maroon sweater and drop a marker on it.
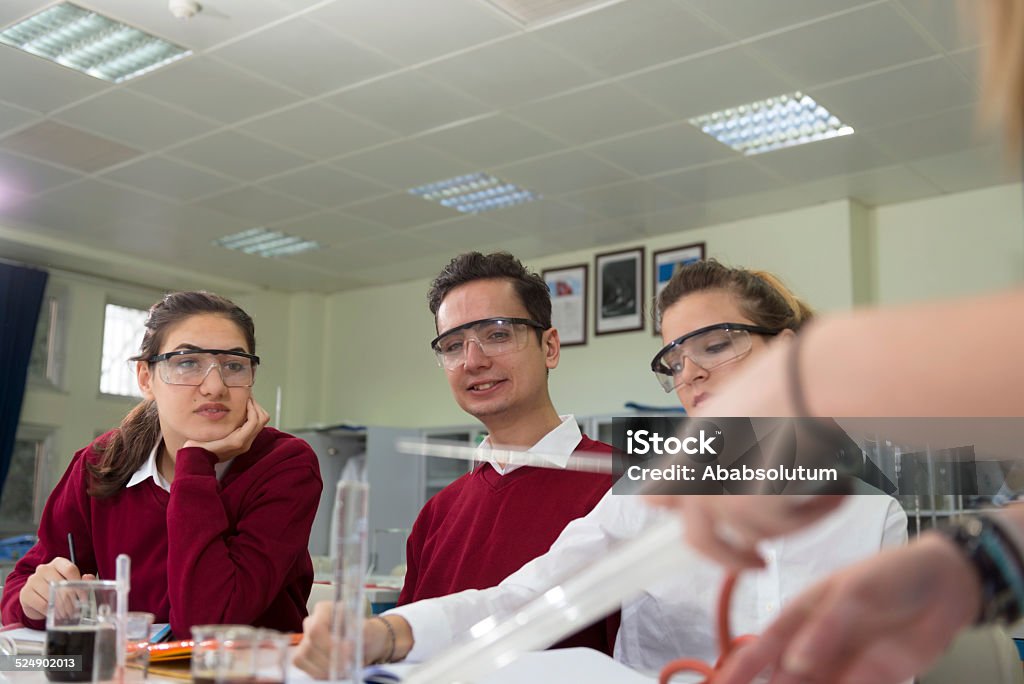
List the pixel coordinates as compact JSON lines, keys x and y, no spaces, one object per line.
{"x":233,"y":551}
{"x":484,"y":526}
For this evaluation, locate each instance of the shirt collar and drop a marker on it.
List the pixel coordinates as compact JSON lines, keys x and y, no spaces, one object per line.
{"x":149,"y":469}
{"x":555,"y":447}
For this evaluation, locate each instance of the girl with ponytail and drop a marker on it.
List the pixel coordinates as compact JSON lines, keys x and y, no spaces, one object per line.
{"x":213,"y":507}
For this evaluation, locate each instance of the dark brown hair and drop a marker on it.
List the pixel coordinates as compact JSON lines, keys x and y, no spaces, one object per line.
{"x":129,"y":446}
{"x":763,"y":298}
{"x":471,"y":266}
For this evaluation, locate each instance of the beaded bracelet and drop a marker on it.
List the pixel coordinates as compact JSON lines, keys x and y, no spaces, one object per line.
{"x":998,"y":564}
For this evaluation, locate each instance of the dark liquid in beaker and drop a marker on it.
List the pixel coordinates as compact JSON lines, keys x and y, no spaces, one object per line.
{"x":88,"y":642}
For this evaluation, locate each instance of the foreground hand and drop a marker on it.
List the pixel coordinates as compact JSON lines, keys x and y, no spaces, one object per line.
{"x":35,"y":595}
{"x":880,"y":621}
{"x":728,"y":528}
{"x":314,"y":651}
{"x":241,"y":438}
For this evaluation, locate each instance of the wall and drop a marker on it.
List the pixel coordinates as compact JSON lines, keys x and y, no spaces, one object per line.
{"x":947,"y":246}
{"x":387,"y":375}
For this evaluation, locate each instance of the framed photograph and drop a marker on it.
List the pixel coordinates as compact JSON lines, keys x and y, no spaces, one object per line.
{"x":666,"y":263}
{"x":619,"y":290}
{"x":568,"y":288}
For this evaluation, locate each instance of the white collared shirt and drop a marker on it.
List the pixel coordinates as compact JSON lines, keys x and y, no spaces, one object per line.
{"x":555,"y":447}
{"x":149,"y":469}
{"x":673,"y":618}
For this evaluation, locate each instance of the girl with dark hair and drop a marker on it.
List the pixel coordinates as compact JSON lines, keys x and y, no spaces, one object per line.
{"x":213,"y":507}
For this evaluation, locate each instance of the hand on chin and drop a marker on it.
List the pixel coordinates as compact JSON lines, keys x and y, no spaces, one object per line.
{"x":234,"y":442}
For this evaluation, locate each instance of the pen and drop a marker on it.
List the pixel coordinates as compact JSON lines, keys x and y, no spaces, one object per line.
{"x":71,"y":550}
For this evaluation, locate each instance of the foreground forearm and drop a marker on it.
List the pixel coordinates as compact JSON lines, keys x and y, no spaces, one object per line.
{"x":939,"y":359}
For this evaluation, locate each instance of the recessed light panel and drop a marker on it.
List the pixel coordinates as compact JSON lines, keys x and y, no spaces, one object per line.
{"x":266,"y":243}
{"x":783,"y":121}
{"x":91,"y":43}
{"x":475,"y":193}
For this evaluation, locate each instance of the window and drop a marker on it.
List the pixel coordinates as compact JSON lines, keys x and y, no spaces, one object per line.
{"x":123,"y":328}
{"x":27,"y":486}
{"x":47,"y":363}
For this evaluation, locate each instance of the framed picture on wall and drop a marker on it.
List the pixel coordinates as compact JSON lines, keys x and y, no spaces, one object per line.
{"x":666,"y":263}
{"x":568,"y":288}
{"x":619,"y":291}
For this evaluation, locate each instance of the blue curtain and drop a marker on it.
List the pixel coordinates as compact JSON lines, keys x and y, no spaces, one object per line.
{"x":21,"y":297}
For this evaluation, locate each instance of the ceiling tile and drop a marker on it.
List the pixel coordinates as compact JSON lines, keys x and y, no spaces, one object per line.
{"x":834,"y":48}
{"x":969,"y":63}
{"x":491,"y":141}
{"x":28,"y":176}
{"x":16,"y":10}
{"x":627,"y":36}
{"x":676,"y":220}
{"x":380,"y":251}
{"x":463,"y":233}
{"x":279,"y":273}
{"x":415,"y":31}
{"x":59,"y":144}
{"x":238,"y":155}
{"x":22,"y":74}
{"x":931,"y":136}
{"x":897,"y":95}
{"x":510,"y":72}
{"x":872,"y":188}
{"x":950,"y":22}
{"x":400,"y":210}
{"x":211,"y":88}
{"x":196,"y":222}
{"x":599,"y":235}
{"x":169,"y":178}
{"x":584,"y":116}
{"x":672,"y":147}
{"x":746,"y":18}
{"x":969,"y":169}
{"x":403,"y":165}
{"x":317,"y":131}
{"x":546,"y":216}
{"x":404,"y":271}
{"x":625,"y":199}
{"x":686,"y":90}
{"x":258,"y":206}
{"x":712,"y":182}
{"x":333,"y":228}
{"x":849,"y":154}
{"x":570,"y":171}
{"x":218,"y":21}
{"x":326,"y":186}
{"x":317,"y":59}
{"x":135,"y":120}
{"x":386,"y":102}
{"x":89,"y":209}
{"x":12,"y":117}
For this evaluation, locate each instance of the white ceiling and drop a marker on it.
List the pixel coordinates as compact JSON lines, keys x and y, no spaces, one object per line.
{"x":316,"y":117}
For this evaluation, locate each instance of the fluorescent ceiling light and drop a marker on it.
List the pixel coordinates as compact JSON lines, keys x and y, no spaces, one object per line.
{"x":783,"y":121}
{"x":91,"y":43}
{"x":474,"y":193}
{"x":266,"y":243}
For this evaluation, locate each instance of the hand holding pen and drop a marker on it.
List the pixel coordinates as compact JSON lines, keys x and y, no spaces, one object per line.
{"x":35,"y":595}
